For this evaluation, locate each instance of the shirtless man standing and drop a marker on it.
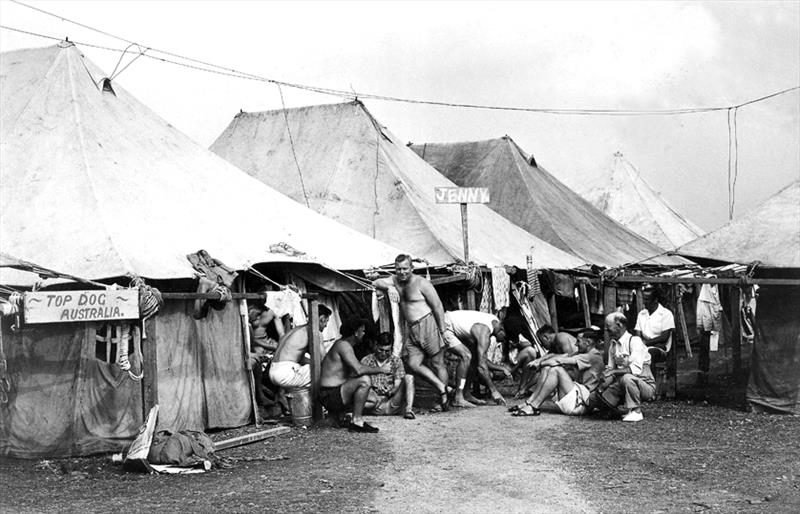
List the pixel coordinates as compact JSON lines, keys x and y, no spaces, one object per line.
{"x":424,"y":314}
{"x":336,"y":389}
{"x":289,"y":367}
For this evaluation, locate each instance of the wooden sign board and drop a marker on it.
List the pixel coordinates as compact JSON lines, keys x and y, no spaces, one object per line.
{"x":462,"y":194}
{"x":66,"y":306}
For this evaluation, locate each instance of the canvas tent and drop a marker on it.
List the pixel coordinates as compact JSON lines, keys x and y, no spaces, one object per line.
{"x":526,"y":194}
{"x":94,"y":184}
{"x":770,"y":236}
{"x":625,"y":196}
{"x":353,"y":170}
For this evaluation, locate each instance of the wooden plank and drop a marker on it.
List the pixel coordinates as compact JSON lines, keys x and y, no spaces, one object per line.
{"x":684,"y":330}
{"x":551,"y":306}
{"x":639,"y":300}
{"x":315,"y":351}
{"x":212,"y":296}
{"x":458,"y":277}
{"x":736,"y":330}
{"x":703,"y":280}
{"x":251,"y":438}
{"x":149,"y":367}
{"x":587,"y":317}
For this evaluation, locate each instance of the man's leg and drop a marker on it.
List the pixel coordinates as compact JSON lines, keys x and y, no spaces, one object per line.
{"x":356,"y":391}
{"x":414,"y":361}
{"x":636,"y":391}
{"x":464,"y":357}
{"x":408,"y":393}
{"x":548,"y":383}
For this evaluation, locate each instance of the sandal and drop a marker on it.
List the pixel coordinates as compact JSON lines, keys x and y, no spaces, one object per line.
{"x":444,"y":398}
{"x":514,"y":408}
{"x":409,"y":415}
{"x":523,"y":413}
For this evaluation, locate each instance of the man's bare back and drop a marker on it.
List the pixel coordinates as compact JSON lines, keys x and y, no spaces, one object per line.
{"x":292,"y":345}
{"x":333,"y":368}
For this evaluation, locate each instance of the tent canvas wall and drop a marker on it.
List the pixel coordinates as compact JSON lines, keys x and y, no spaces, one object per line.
{"x":768,"y":235}
{"x":355,"y":171}
{"x":526,"y":194}
{"x":625,"y":196}
{"x":96,"y":185}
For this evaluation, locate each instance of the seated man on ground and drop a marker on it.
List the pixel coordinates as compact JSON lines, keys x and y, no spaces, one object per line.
{"x":290,"y":367}
{"x":337,"y":390}
{"x":627,"y":375}
{"x":556,"y":343}
{"x":390,"y":393}
{"x":573,"y":395}
{"x":468,"y":333}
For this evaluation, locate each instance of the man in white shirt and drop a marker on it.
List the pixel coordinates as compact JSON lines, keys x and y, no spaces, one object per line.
{"x":628,"y":375}
{"x":655,"y":324}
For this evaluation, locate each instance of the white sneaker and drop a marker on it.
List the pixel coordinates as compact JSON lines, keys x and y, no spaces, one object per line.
{"x":633,"y":416}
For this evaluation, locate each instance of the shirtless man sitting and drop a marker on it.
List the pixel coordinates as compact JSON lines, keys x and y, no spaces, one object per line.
{"x":290,"y":367}
{"x":337,"y":390}
{"x":573,"y":395}
{"x":424,"y":314}
{"x":556,"y":343}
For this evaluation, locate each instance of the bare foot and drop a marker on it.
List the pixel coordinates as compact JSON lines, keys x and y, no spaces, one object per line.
{"x":460,"y":402}
{"x":471,"y":399}
{"x":498,"y":399}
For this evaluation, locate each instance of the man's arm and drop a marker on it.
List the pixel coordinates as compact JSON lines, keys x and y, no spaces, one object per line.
{"x":433,"y":301}
{"x":386,"y":285}
{"x":654,"y":341}
{"x":481,"y":333}
{"x":349,"y":358}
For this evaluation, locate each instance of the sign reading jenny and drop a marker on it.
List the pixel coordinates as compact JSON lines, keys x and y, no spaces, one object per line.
{"x":65,"y":306}
{"x":462,"y":194}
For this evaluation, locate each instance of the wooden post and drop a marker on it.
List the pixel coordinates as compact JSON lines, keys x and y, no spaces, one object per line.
{"x":684,"y":330}
{"x":464,"y":232}
{"x":639,"y":300}
{"x":471,"y":300}
{"x":736,"y":330}
{"x":672,"y":363}
{"x":587,"y":317}
{"x":551,"y":306}
{"x":149,"y":366}
{"x":243,"y":318}
{"x":315,"y":351}
{"x":609,"y":299}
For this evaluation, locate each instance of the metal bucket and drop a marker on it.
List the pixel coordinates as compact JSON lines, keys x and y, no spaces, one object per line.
{"x":300,"y":406}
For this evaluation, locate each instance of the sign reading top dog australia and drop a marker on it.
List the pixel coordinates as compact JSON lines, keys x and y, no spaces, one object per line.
{"x":64,"y":306}
{"x":462,"y":194}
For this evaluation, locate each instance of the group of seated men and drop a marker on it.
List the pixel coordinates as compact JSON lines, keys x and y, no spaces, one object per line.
{"x":382,"y":383}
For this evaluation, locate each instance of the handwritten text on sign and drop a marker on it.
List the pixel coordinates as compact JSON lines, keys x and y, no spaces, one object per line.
{"x":63,"y":306}
{"x":462,"y":194}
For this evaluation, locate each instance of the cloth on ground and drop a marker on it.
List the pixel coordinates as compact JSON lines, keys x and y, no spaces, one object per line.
{"x":184,"y":448}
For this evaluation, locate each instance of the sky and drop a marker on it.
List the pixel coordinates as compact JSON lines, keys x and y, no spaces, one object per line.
{"x":571,"y":55}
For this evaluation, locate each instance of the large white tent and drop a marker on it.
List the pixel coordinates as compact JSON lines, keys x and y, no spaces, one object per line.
{"x":341,"y":161}
{"x":95,"y":184}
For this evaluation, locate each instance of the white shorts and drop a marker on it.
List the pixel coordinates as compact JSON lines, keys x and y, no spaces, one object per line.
{"x":574,"y":402}
{"x":290,"y":374}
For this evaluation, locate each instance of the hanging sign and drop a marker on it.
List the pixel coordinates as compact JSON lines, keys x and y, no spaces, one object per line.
{"x":65,"y":306}
{"x":462,"y":194}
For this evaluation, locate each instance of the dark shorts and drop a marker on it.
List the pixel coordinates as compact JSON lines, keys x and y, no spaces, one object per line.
{"x":423,"y":337}
{"x":331,"y":398}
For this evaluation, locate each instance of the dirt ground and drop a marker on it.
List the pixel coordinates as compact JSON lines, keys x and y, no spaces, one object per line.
{"x":689,"y":455}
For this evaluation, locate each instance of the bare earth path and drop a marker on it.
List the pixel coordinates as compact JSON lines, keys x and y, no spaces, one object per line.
{"x":469,"y":461}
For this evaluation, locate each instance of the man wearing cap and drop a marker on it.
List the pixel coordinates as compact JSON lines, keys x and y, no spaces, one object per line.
{"x":628,"y":370}
{"x":573,"y":395}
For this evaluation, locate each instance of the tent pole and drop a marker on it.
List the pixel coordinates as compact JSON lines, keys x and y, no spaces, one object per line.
{"x":736,"y":330}
{"x":587,"y":317}
{"x":551,"y":306}
{"x":245,"y":325}
{"x":315,"y":351}
{"x":149,"y":368}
